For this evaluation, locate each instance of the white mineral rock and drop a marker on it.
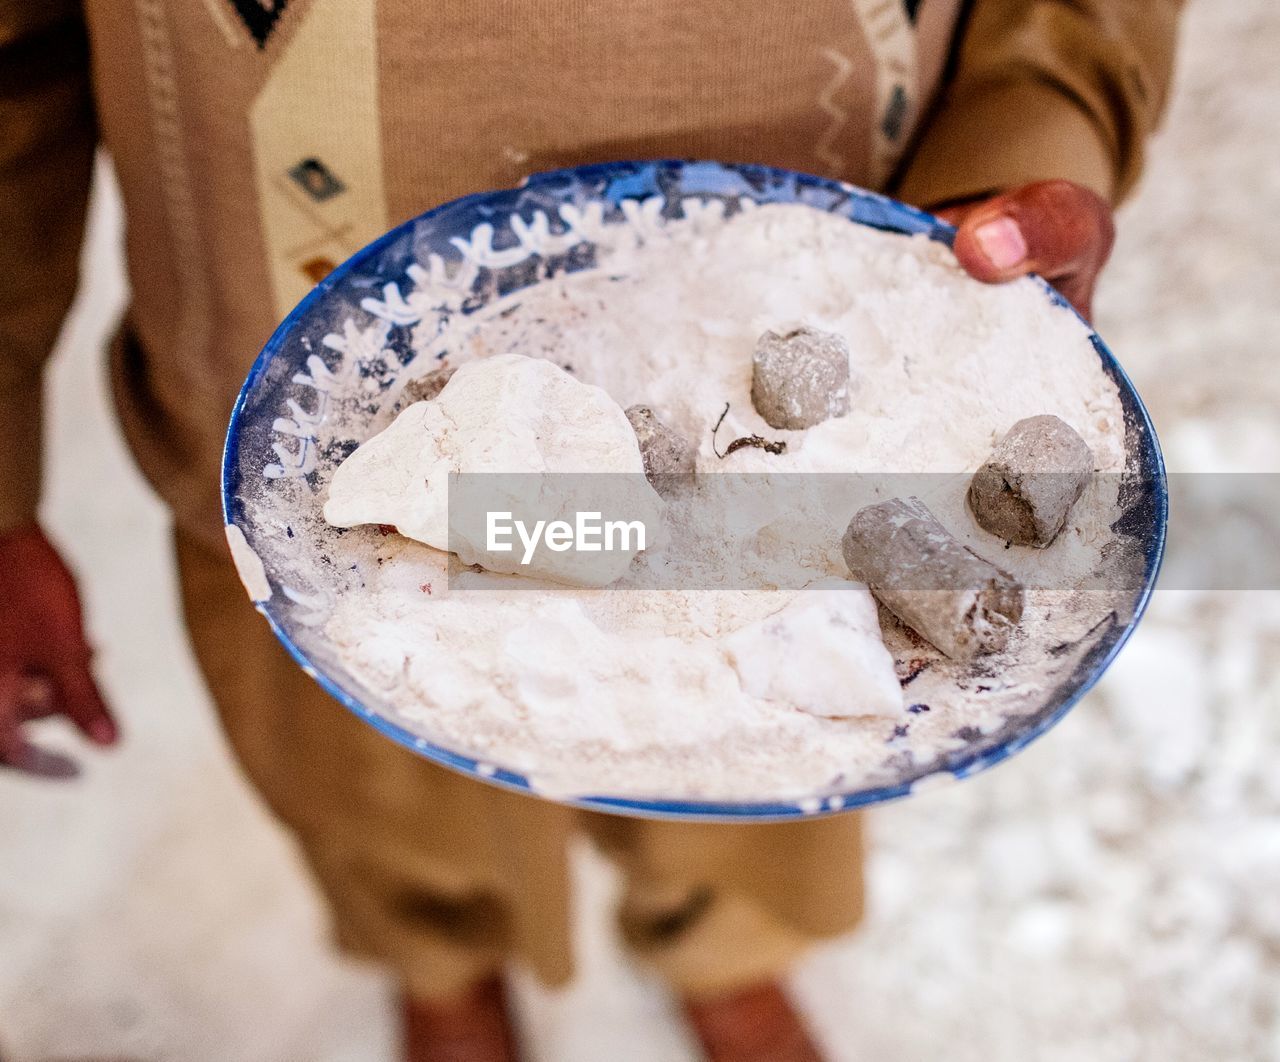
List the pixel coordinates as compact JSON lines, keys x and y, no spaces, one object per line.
{"x":523,"y":434}
{"x":822,"y":653}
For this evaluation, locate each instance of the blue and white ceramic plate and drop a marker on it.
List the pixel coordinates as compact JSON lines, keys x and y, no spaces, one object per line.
{"x":347,"y":343}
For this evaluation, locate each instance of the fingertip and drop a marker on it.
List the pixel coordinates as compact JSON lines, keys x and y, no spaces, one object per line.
{"x":1079,"y":292}
{"x":83,"y":704}
{"x":991,"y":246}
{"x":1001,"y":242}
{"x":102,"y":730}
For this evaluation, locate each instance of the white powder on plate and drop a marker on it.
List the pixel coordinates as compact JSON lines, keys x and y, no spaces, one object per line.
{"x":631,"y":689}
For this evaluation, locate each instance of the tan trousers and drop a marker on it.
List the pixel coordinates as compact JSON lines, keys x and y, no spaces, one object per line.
{"x":445,"y":878}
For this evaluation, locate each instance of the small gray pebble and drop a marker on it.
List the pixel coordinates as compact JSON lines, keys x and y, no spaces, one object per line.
{"x":666,"y":453}
{"x":931,"y":581}
{"x":1031,"y":480}
{"x":800,"y":378}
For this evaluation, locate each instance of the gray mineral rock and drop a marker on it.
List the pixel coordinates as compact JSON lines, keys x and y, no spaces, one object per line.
{"x":800,"y":378}
{"x":666,"y":453}
{"x":938,"y":587}
{"x":1031,"y":480}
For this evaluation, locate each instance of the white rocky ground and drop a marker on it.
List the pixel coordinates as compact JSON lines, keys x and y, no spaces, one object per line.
{"x":1113,"y":893}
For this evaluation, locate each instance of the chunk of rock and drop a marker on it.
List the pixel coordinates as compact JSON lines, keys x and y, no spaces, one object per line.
{"x":822,"y":653}
{"x":1028,"y":485}
{"x":666,"y":453}
{"x":424,"y":388}
{"x":509,"y":437}
{"x":938,"y":587}
{"x":800,"y":377}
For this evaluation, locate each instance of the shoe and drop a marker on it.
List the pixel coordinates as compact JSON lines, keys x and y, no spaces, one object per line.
{"x":752,"y":1024}
{"x":475,"y":1026}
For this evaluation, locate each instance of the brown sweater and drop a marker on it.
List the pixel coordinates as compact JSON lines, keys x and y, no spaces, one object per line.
{"x":259,"y":142}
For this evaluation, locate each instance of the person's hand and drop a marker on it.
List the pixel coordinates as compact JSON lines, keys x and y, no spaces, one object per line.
{"x":44,"y":657}
{"x":1062,"y":231}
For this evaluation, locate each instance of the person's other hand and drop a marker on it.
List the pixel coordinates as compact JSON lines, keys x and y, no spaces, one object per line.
{"x":1061,"y":230}
{"x":44,"y":657}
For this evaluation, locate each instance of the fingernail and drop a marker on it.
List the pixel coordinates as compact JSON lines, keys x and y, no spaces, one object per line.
{"x":1001,"y":241}
{"x":36,"y":692}
{"x":103,"y":731}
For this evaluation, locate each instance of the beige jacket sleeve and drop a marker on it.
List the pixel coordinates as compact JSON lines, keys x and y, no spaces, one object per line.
{"x":1047,"y":89}
{"x":47,"y":140}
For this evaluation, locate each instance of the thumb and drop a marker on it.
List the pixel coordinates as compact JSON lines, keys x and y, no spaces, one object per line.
{"x":1060,"y":230}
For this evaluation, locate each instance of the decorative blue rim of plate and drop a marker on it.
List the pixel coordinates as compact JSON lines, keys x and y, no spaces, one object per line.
{"x":1146,"y":511}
